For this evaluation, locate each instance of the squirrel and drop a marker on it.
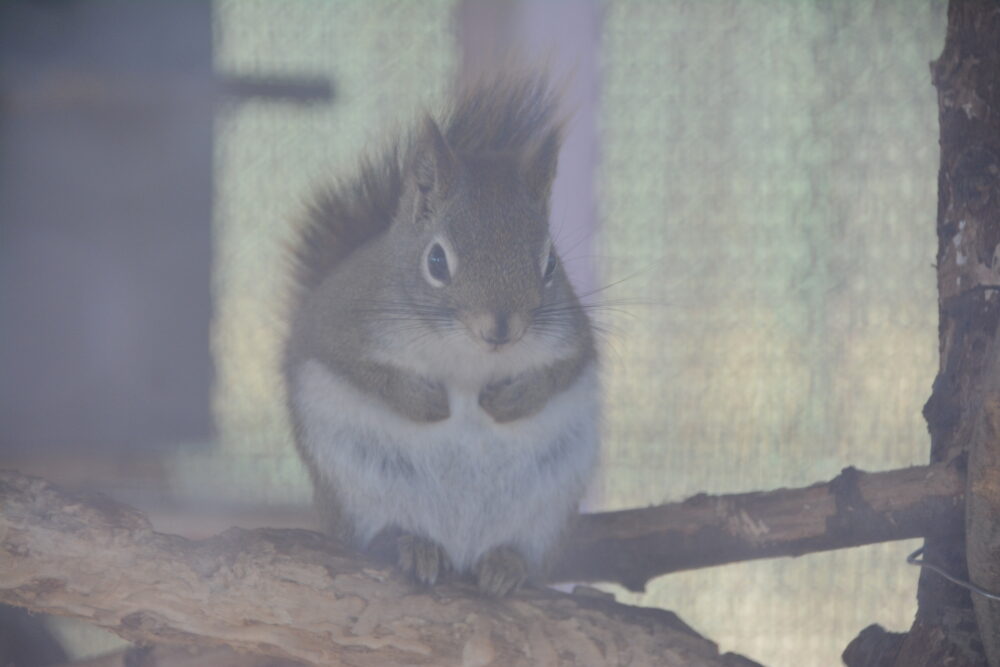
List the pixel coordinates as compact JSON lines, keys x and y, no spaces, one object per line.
{"x":441,"y":372}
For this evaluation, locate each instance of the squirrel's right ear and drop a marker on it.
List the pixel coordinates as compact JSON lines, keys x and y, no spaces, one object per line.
{"x":540,"y":165}
{"x":434,"y":163}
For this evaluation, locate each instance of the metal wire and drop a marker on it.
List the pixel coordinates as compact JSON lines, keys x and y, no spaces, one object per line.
{"x":913,"y":560}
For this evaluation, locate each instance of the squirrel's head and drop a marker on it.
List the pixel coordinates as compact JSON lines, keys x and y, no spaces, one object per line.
{"x":476,"y":232}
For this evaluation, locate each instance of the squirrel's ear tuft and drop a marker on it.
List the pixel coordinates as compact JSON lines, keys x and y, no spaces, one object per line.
{"x":539,"y":165}
{"x":434,"y":162}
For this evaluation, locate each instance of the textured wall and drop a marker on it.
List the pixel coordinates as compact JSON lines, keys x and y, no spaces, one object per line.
{"x":769,"y":194}
{"x":385,"y":59}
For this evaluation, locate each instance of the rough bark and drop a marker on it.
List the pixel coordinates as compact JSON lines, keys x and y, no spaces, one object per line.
{"x":295,"y":595}
{"x":632,"y":546}
{"x":967,"y":77}
{"x":874,"y":647}
{"x":983,"y":509}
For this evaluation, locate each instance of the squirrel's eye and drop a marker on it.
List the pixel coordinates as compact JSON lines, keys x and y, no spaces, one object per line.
{"x":550,"y":267}
{"x":437,"y":264}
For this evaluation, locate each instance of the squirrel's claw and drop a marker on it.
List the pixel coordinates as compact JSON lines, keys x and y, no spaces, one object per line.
{"x":500,"y":571}
{"x":422,"y":559}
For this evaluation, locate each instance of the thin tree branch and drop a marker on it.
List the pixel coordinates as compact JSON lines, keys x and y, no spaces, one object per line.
{"x":631,"y":547}
{"x":293,"y":594}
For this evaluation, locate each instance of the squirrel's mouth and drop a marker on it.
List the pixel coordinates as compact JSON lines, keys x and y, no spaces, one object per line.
{"x":496,"y":331}
{"x":495,"y":346}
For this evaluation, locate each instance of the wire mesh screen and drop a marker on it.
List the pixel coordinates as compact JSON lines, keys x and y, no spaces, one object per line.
{"x":769,"y":191}
{"x":385,"y":59}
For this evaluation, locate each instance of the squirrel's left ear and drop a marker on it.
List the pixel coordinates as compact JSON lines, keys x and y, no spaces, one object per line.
{"x":434,"y":164}
{"x":432,"y":171}
{"x":539,"y":165}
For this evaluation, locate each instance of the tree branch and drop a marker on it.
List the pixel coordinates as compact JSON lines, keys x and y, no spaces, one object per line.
{"x":631,"y":547}
{"x":293,"y":594}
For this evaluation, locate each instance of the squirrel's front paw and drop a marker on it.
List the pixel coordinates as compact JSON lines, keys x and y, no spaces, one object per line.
{"x":500,"y":571}
{"x":422,"y":559}
{"x":437,"y":409}
{"x":506,"y":401}
{"x":429,"y":402}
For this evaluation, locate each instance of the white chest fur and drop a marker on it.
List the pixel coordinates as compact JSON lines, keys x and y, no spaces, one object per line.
{"x":468,"y":483}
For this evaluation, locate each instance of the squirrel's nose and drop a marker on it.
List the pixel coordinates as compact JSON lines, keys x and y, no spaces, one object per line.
{"x":500,"y":331}
{"x":497,"y":329}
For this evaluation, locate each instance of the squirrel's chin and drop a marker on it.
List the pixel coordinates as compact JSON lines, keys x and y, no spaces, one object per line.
{"x":493,"y":348}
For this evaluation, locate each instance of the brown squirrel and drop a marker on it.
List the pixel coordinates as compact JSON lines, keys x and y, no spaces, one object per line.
{"x":441,"y":373}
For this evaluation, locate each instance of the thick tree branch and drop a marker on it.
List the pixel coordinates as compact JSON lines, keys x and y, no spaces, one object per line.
{"x":633,"y":546}
{"x":292,"y":594}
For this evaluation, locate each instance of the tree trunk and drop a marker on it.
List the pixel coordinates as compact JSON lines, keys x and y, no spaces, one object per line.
{"x":967,"y":76}
{"x":983,"y":509}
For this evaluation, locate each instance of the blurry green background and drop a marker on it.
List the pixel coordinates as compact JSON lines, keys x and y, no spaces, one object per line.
{"x":766,"y":196}
{"x":770,"y":168}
